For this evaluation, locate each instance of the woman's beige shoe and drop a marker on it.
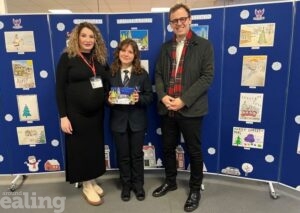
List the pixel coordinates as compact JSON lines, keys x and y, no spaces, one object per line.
{"x":90,"y":194}
{"x":97,"y":188}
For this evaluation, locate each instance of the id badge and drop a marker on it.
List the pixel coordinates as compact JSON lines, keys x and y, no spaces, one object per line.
{"x":96,"y":82}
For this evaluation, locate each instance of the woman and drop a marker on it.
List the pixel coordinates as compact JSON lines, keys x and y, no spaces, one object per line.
{"x":81,"y":79}
{"x":129,"y":121}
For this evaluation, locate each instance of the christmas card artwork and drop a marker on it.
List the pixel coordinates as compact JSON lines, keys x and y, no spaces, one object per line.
{"x":149,"y":156}
{"x":257,"y":35}
{"x":19,"y":41}
{"x":52,"y":165}
{"x":145,"y":65}
{"x":180,"y":159}
{"x":31,"y":135}
{"x":254,"y":70}
{"x":140,"y":36}
{"x":250,"y":109}
{"x":107,"y":156}
{"x":122,"y":95}
{"x":248,"y":137}
{"x":200,"y":30}
{"x":23,"y":74}
{"x":28,"y":108}
{"x":32,"y":163}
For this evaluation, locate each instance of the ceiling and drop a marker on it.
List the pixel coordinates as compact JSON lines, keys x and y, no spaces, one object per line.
{"x":107,"y":6}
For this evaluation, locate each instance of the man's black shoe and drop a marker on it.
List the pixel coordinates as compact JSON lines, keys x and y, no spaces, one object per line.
{"x":163,"y":189}
{"x":140,"y":194}
{"x":125,"y":194}
{"x":192,"y":201}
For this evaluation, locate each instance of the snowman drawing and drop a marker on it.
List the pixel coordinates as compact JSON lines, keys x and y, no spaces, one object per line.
{"x":33,"y":164}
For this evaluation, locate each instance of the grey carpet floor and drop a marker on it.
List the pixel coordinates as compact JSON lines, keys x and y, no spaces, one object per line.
{"x":221,"y":195}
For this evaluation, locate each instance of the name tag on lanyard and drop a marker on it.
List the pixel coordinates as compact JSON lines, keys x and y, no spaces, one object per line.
{"x":96,"y":82}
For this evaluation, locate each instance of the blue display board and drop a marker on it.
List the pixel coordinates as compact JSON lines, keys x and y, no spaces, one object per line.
{"x":208,"y":23}
{"x":28,"y":111}
{"x":5,"y":154}
{"x":289,"y":172}
{"x":252,"y":129}
{"x":254,"y":83}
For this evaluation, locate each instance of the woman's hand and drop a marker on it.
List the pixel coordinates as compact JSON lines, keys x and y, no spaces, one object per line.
{"x":65,"y":125}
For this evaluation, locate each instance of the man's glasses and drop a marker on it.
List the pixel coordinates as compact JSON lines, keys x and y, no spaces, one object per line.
{"x":178,"y":20}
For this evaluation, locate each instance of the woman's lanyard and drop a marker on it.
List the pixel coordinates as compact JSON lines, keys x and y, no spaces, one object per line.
{"x":91,"y":66}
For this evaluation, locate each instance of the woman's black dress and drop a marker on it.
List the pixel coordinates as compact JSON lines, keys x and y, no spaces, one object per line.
{"x":84,"y":106}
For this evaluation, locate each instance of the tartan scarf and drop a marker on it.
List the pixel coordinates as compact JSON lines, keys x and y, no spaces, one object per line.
{"x":175,"y":86}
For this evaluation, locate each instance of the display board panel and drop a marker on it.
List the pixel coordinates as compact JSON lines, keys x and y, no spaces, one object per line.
{"x":289,"y":172}
{"x":28,"y":109}
{"x":254,"y":84}
{"x":251,"y":131}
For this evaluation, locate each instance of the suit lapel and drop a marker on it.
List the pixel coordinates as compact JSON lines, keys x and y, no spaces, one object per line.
{"x":119,"y":80}
{"x":133,"y":80}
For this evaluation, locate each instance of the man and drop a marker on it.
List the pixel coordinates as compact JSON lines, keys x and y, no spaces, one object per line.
{"x":183,"y":75}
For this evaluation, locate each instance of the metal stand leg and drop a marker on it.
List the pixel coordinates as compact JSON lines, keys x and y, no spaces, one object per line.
{"x":273,"y":194}
{"x":202,"y":187}
{"x":78,"y":185}
{"x":13,"y":185}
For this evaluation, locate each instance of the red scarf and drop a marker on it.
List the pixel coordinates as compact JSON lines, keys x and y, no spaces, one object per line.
{"x":175,"y":87}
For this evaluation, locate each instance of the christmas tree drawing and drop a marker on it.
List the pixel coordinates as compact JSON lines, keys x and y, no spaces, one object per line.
{"x":238,"y":141}
{"x":262,"y":37}
{"x":26,"y":111}
{"x":28,"y":108}
{"x":42,"y":137}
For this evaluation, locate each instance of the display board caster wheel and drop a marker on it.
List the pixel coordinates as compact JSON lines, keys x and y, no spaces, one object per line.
{"x":13,"y":187}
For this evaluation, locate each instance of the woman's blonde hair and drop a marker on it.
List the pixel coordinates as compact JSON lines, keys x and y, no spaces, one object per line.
{"x":99,"y":50}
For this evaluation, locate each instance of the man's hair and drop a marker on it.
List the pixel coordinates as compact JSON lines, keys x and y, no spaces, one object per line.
{"x":178,"y":6}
